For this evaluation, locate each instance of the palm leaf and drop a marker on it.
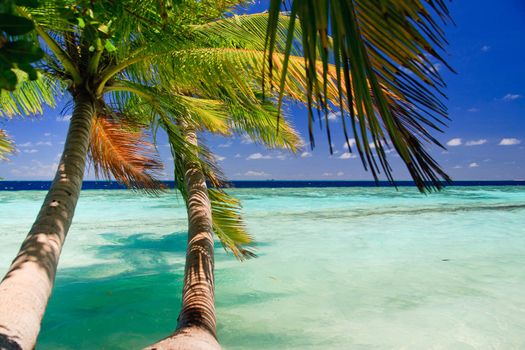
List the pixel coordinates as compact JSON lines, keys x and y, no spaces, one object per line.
{"x":30,"y":97}
{"x":118,"y":149}
{"x":6,"y":146}
{"x":373,"y":44}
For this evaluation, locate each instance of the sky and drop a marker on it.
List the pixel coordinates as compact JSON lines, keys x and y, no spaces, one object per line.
{"x":485,"y":138}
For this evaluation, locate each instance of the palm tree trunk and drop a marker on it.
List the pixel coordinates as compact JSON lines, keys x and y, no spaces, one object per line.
{"x":26,"y":288}
{"x":196,"y":329}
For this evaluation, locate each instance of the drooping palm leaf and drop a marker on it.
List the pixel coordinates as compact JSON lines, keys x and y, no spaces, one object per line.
{"x":30,"y":96}
{"x":119,"y":150}
{"x":6,"y":146}
{"x":376,"y":46}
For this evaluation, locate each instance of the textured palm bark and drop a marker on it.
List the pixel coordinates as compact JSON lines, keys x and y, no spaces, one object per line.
{"x":196,"y":329}
{"x":26,"y":288}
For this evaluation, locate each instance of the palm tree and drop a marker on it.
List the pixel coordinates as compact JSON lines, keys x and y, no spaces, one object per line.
{"x":91,"y":47}
{"x":371,"y":82}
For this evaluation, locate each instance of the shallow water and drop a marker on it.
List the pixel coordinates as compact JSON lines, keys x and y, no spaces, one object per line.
{"x":339,"y":268}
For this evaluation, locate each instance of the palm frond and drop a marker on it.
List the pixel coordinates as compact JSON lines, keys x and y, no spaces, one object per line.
{"x":30,"y":97}
{"x":228,"y":224}
{"x":6,"y":145}
{"x":119,"y":150}
{"x":376,"y":46}
{"x":244,"y":32}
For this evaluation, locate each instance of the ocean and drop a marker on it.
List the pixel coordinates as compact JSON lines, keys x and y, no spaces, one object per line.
{"x":337,"y":268}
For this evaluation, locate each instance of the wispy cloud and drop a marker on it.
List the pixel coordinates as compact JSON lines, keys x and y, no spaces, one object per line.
{"x":219,"y":158}
{"x":473,"y":110}
{"x":351,"y":142}
{"x":44,"y":143}
{"x":25,"y":144}
{"x":509,"y":141}
{"x":347,"y":155}
{"x":225,"y":145}
{"x":246,"y":140}
{"x":64,"y":118}
{"x":30,"y":150}
{"x":473,"y":165}
{"x":306,"y":155}
{"x":334,"y":115}
{"x":476,"y":142}
{"x":511,"y":97}
{"x":485,"y":48}
{"x":255,"y":173}
{"x":47,"y":134}
{"x":455,"y":142}
{"x":340,"y":173}
{"x":256,"y":156}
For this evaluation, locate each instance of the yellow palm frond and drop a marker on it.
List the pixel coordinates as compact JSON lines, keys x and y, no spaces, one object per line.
{"x":6,"y":146}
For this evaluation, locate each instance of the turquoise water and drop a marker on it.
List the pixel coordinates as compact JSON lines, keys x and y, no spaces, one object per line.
{"x":340,"y":268}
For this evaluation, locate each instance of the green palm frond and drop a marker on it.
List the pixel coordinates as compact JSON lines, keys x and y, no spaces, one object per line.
{"x":199,"y":113}
{"x":261,"y":123}
{"x":228,"y":224}
{"x":6,"y":146}
{"x":377,"y":46}
{"x":30,"y":97}
{"x":243,"y":31}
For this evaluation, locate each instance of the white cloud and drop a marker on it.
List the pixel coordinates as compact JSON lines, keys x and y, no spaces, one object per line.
{"x":238,"y":155}
{"x":334,"y":115}
{"x":458,"y":167}
{"x":485,"y":48}
{"x":44,"y":143}
{"x":473,"y":110}
{"x":473,"y":165}
{"x":454,"y":142}
{"x":255,"y":173}
{"x":306,"y":155}
{"x":340,"y":173}
{"x":281,"y":156}
{"x":225,"y":145}
{"x":509,"y":141}
{"x":26,"y":144}
{"x":347,"y":155}
{"x":246,"y":140}
{"x":219,"y":158}
{"x":511,"y":97}
{"x":30,"y":150}
{"x":36,"y":170}
{"x":47,"y":134}
{"x":64,"y":118}
{"x":351,"y":142}
{"x":436,"y":67}
{"x":256,"y":156}
{"x":476,"y":142}
{"x":328,"y":174}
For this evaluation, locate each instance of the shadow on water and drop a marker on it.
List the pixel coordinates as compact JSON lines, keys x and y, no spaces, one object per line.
{"x":128,"y":302}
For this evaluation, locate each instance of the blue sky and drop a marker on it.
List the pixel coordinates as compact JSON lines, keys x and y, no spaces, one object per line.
{"x":486,"y":101}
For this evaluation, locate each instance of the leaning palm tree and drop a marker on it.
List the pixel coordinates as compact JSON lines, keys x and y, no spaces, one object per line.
{"x":378,"y":110}
{"x":90,"y":47}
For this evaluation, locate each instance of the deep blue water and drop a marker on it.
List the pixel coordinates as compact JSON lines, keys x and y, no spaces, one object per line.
{"x":107,"y":185}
